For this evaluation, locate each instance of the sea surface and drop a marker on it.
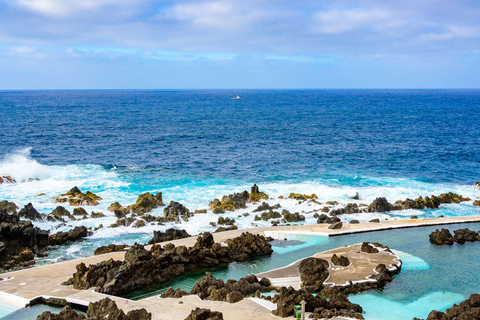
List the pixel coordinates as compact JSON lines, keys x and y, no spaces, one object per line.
{"x":195,"y":146}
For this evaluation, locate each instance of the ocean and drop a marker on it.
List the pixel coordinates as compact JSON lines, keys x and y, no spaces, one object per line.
{"x":197,"y":145}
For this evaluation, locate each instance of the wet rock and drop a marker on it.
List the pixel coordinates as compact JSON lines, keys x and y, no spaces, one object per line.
{"x":168,"y":235}
{"x":96,"y":215}
{"x":466,"y":310}
{"x":201,"y":211}
{"x":463,"y":235}
{"x":350,"y":208}
{"x":19,"y":241}
{"x":7,"y":179}
{"x":476,"y":185}
{"x":226,"y":221}
{"x":383,"y":274}
{"x":431,"y":202}
{"x":60,"y":212}
{"x":265,"y":206}
{"x":355,"y":197}
{"x":80,"y":212}
{"x":29,"y":212}
{"x":336,"y":225}
{"x":292,"y":217}
{"x":313,"y":272}
{"x":71,"y":235}
{"x":265,"y":216}
{"x":75,"y":197}
{"x":110,"y":248}
{"x":9,"y":207}
{"x":476,"y":203}
{"x":368,"y":248}
{"x":229,"y":228}
{"x":146,"y":202}
{"x":380,"y":205}
{"x":302,"y":197}
{"x":229,"y":203}
{"x":175,"y":210}
{"x":340,"y":261}
{"x":139,"y":223}
{"x":256,"y":195}
{"x":116,"y":206}
{"x":323,"y":218}
{"x":440,"y":237}
{"x":204,"y":314}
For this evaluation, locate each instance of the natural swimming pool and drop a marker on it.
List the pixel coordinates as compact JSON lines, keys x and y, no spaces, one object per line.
{"x":432,"y":277}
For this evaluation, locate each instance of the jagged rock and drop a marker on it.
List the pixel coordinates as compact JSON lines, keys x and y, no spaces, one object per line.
{"x":441,"y":237}
{"x":431,"y":202}
{"x":289,"y":297}
{"x":336,"y":225}
{"x":226,"y":221}
{"x":170,"y":293}
{"x":97,"y":215}
{"x":19,"y":241}
{"x":221,"y":229}
{"x":323,"y":218}
{"x":110,"y":248}
{"x":59,"y":212}
{"x":368,"y":248}
{"x":383,"y":274}
{"x":355,"y":197}
{"x":168,"y":235}
{"x":476,"y":203}
{"x":146,"y":202}
{"x":9,"y":207}
{"x":29,"y":212}
{"x":76,"y":197}
{"x":175,"y":210}
{"x":265,"y":216}
{"x":67,"y":313}
{"x":292,"y":217}
{"x":80,"y":212}
{"x":302,"y":197}
{"x":204,"y":314}
{"x":313,"y":272}
{"x":116,"y":206}
{"x":463,"y":235}
{"x":350,"y":208}
{"x":143,"y":268}
{"x":7,"y":179}
{"x":71,"y":235}
{"x":380,"y":205}
{"x":108,"y":309}
{"x":139,"y":223}
{"x":265,"y":206}
{"x":236,"y":201}
{"x":340,"y":261}
{"x":256,"y":195}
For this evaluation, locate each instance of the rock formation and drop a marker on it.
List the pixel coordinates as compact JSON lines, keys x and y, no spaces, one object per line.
{"x":461,"y":236}
{"x":146,"y":202}
{"x":9,"y":207}
{"x":204,"y":314}
{"x":75,"y":197}
{"x":340,"y":261}
{"x":168,"y":235}
{"x":466,"y":310}
{"x":110,"y":248}
{"x":236,"y":201}
{"x":313,"y":272}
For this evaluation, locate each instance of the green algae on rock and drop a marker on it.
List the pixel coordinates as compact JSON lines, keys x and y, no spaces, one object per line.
{"x":75,"y":197}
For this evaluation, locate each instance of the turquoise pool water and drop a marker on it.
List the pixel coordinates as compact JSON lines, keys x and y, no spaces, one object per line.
{"x":432,"y":277}
{"x":6,"y":309}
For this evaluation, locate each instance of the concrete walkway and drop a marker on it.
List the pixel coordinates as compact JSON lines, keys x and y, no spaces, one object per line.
{"x":45,"y":280}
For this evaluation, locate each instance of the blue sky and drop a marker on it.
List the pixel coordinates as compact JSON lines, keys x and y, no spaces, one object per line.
{"x":103,"y":44}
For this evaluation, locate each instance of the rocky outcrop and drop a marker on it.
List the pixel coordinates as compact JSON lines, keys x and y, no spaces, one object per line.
{"x":143,"y":267}
{"x":110,"y":248}
{"x":226,"y":221}
{"x":380,"y":205}
{"x":221,"y":229}
{"x":441,"y":237}
{"x":323,"y":218}
{"x":204,"y":314}
{"x":71,"y":235}
{"x":7,"y":206}
{"x":7,"y":179}
{"x":340,"y":261}
{"x":168,"y":235}
{"x":476,"y":203}
{"x":302,"y":197}
{"x":368,"y":248}
{"x":265,"y":216}
{"x":313,"y":272}
{"x":176,"y":210}
{"x":102,"y":309}
{"x":60,"y":212}
{"x":146,"y":202}
{"x":338,"y":305}
{"x":171,"y":293}
{"x":75,"y":197}
{"x":432,"y":202}
{"x":265,"y":206}
{"x":292,"y":217}
{"x":210,"y":288}
{"x":466,"y":310}
{"x":349,"y":208}
{"x":80,"y":212}
{"x":29,"y":212}
{"x":19,"y":241}
{"x":236,"y":201}
{"x":460,"y":236}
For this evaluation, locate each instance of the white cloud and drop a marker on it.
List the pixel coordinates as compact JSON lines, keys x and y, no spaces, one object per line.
{"x":453,"y":32}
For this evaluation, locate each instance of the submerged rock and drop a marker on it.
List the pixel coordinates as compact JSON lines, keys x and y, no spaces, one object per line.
{"x":168,"y":235}
{"x":75,"y":197}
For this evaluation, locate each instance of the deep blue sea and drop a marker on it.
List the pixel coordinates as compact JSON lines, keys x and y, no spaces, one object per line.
{"x":195,"y":146}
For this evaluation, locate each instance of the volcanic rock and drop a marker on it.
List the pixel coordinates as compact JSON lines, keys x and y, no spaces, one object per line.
{"x":336,"y":225}
{"x":323,"y":218}
{"x":380,"y":205}
{"x":302,"y":197}
{"x":342,"y":261}
{"x":204,"y":314}
{"x":368,"y":248}
{"x":175,"y":210}
{"x":110,"y":248}
{"x":7,"y":179}
{"x":168,"y":235}
{"x":292,"y":217}
{"x":463,"y":235}
{"x":265,"y":206}
{"x":71,"y":235}
{"x":9,"y":207}
{"x":76,"y":197}
{"x":313,"y":272}
{"x":441,"y":237}
{"x":29,"y":212}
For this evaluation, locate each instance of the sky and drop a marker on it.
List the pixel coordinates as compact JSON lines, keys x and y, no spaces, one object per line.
{"x":185,"y":44}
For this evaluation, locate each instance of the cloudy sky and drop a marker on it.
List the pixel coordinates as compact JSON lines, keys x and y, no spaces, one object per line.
{"x":55,"y":44}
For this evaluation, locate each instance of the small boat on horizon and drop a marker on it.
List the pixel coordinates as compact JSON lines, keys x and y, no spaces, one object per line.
{"x":236,"y":98}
